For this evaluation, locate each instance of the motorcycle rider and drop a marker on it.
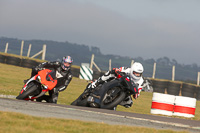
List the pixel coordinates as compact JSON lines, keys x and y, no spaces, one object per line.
{"x":63,"y":75}
{"x":135,"y":73}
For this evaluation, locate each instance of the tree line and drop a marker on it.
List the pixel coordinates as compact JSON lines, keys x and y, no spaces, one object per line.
{"x":81,"y":53}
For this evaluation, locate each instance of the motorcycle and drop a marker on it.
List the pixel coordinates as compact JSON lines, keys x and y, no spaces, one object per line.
{"x":147,"y":85}
{"x":38,"y":85}
{"x":107,"y":95}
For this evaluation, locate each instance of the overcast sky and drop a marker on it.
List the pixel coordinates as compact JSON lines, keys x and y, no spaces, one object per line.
{"x":145,"y":28}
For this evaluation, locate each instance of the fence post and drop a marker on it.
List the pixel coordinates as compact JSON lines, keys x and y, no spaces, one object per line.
{"x":132,"y":62}
{"x":29,"y":50}
{"x":93,"y":63}
{"x":198,"y":77}
{"x":44,"y":52}
{"x":110,"y":65}
{"x":85,"y":72}
{"x":97,"y":67}
{"x":154,"y":70}
{"x":173,"y":73}
{"x":92,"y":60}
{"x":6,"y":49}
{"x":22,"y":45}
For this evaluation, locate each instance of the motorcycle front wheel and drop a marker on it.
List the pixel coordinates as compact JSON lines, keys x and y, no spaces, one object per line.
{"x":80,"y":101}
{"x":31,"y":91}
{"x":112,"y":98}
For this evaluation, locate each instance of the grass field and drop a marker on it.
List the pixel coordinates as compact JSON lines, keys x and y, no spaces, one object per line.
{"x":18,"y":123}
{"x":11,"y":82}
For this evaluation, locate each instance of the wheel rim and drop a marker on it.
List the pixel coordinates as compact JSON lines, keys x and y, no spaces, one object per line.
{"x":111,"y":95}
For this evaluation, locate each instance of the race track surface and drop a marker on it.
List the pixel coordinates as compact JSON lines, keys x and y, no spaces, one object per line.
{"x":97,"y":115}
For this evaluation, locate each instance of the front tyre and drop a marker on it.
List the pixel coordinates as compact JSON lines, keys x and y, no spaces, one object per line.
{"x":80,"y":101}
{"x":112,"y":98}
{"x":31,"y":91}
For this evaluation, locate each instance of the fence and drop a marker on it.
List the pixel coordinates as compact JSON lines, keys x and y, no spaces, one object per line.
{"x":42,"y":52}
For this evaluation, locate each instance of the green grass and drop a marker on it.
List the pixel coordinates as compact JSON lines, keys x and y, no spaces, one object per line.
{"x":11,"y":82}
{"x":18,"y":123}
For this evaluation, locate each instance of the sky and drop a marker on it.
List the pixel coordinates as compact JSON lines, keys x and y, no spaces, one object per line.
{"x":133,"y":28}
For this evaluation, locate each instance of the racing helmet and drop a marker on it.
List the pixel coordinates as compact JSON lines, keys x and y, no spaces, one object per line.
{"x":136,"y":71}
{"x":66,"y":62}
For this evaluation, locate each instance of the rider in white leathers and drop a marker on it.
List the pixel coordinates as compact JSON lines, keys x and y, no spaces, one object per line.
{"x":135,"y":72}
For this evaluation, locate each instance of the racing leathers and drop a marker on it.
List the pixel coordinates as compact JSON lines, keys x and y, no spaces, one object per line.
{"x":63,"y":79}
{"x":115,"y":74}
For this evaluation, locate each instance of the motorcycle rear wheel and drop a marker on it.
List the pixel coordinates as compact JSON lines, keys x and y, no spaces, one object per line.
{"x":120,"y":96}
{"x":31,"y":91}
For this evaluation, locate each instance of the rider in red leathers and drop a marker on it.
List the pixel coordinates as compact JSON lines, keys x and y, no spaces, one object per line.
{"x":63,"y":75}
{"x":135,"y":73}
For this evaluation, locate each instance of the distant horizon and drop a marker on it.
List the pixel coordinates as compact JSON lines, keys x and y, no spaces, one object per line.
{"x":92,"y":46}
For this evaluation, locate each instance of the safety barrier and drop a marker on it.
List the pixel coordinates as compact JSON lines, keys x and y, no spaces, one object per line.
{"x":85,"y":72}
{"x":174,"y":88}
{"x":197,"y":93}
{"x":184,"y":106}
{"x":188,"y":90}
{"x":162,"y":104}
{"x":2,"y":58}
{"x":75,"y":71}
{"x":11,"y":60}
{"x":159,"y":86}
{"x":166,"y":104}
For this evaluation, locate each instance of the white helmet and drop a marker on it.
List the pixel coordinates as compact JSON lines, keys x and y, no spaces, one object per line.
{"x":136,"y":71}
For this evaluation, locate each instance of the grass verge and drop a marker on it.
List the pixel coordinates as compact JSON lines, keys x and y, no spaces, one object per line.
{"x":18,"y":123}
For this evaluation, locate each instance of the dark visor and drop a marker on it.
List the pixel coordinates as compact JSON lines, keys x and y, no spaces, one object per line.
{"x":137,"y":74}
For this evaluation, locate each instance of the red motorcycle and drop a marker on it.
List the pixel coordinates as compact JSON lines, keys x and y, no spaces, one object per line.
{"x":38,"y":85}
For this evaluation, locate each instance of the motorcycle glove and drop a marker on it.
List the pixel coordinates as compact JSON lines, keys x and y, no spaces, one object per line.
{"x":93,"y":84}
{"x":96,"y":83}
{"x":39,"y":68}
{"x":135,"y":96}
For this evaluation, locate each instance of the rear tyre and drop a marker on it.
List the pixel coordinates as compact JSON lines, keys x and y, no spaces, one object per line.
{"x":112,"y":99}
{"x":31,"y":91}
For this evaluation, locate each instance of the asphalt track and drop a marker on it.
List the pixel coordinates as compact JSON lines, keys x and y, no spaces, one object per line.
{"x":97,"y":115}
